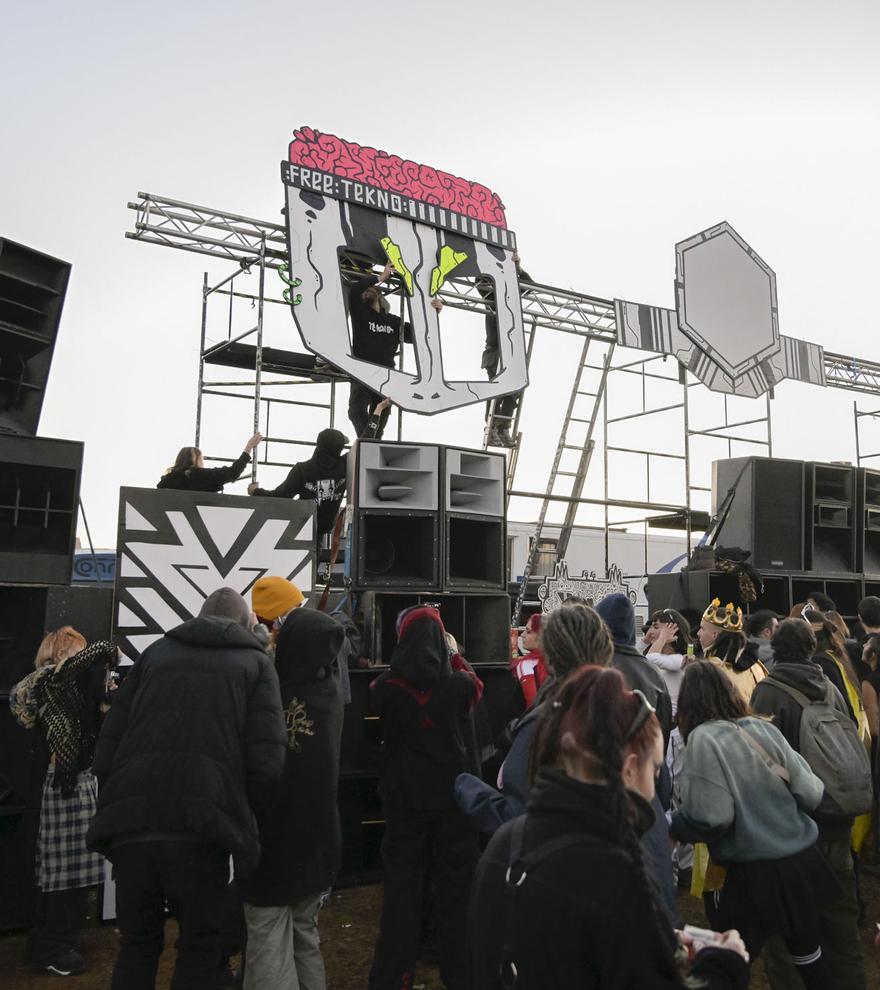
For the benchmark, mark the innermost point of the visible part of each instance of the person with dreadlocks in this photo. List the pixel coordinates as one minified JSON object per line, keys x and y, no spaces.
{"x":561,"y":898}
{"x":569,"y":637}
{"x":748,"y":794}
{"x":62,"y":700}
{"x":723,"y":642}
{"x":424,"y":705}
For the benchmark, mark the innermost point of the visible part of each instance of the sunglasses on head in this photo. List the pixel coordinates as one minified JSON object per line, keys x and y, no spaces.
{"x":646,"y":710}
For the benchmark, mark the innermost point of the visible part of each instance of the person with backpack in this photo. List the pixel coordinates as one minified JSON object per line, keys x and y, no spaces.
{"x":815,"y":720}
{"x":747,"y":794}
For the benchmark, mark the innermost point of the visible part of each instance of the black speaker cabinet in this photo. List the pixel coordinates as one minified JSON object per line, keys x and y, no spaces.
{"x":868,"y":518}
{"x":766,"y":515}
{"x":39,"y":499}
{"x":396,"y":549}
{"x":830,"y":509}
{"x":689,"y":592}
{"x":474,"y":520}
{"x":32,"y":289}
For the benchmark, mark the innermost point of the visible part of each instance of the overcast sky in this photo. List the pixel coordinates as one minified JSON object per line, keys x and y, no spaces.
{"x":611,"y":131}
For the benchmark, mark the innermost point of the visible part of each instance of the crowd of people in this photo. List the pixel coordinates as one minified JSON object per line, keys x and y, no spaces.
{"x":209,"y":780}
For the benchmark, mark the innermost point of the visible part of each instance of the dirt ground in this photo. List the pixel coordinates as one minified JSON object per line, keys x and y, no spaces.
{"x":348,"y":930}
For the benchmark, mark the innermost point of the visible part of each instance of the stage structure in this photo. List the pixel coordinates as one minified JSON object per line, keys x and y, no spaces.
{"x":723,"y":335}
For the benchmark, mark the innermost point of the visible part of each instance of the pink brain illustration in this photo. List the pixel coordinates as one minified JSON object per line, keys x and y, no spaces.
{"x":328,"y":153}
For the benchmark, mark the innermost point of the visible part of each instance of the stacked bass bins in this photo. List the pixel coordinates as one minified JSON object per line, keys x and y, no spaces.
{"x":427,"y":526}
{"x":800,"y":516}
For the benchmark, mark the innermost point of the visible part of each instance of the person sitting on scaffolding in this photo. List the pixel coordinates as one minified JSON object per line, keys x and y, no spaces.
{"x":189,"y":474}
{"x":500,"y":420}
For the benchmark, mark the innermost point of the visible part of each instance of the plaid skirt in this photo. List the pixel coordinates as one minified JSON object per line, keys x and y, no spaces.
{"x":63,"y":862}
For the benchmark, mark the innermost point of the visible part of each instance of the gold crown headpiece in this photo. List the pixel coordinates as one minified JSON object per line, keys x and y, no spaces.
{"x":729,"y":619}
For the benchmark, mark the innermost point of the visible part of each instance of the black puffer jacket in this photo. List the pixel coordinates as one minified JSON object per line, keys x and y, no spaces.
{"x":424,"y":706}
{"x":300,"y":834}
{"x":583,"y":917}
{"x":195,"y":734}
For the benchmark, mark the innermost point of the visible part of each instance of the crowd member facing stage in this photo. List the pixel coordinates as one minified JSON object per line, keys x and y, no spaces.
{"x":189,"y":474}
{"x":300,"y":833}
{"x":760,"y":627}
{"x":794,"y":646}
{"x":424,"y":706}
{"x":747,"y":794}
{"x":194,"y":738}
{"x":375,"y":337}
{"x":869,"y":615}
{"x":530,"y":670}
{"x":320,"y":479}
{"x":62,"y":701}
{"x":273,"y":599}
{"x":869,"y":672}
{"x":560,"y":897}
{"x":724,"y":643}
{"x":569,"y":637}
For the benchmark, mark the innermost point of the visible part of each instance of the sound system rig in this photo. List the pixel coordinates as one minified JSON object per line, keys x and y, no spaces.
{"x":39,"y":505}
{"x":427,"y":525}
{"x":809,"y":527}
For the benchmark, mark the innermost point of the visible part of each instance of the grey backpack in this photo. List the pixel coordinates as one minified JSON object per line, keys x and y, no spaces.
{"x":830,"y":743}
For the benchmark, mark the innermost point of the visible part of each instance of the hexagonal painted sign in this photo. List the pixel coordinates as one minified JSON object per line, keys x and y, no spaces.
{"x":725,"y":297}
{"x":430,"y":226}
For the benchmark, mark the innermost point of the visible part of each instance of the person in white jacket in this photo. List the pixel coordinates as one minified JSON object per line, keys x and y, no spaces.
{"x":666,"y":643}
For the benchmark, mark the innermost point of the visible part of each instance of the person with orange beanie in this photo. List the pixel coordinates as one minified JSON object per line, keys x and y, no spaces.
{"x":273,"y":599}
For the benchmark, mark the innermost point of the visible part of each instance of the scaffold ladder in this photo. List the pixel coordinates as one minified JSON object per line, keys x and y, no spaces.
{"x":579,"y":475}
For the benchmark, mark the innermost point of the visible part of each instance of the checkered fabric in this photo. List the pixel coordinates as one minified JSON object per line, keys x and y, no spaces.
{"x":63,"y":862}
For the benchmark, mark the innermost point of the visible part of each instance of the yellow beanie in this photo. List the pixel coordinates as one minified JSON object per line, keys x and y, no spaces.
{"x":274,"y":596}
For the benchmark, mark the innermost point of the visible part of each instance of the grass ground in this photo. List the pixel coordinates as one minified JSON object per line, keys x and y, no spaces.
{"x":348,"y":930}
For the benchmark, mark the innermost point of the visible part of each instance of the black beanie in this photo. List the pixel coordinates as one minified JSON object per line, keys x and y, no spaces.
{"x":620,"y":617}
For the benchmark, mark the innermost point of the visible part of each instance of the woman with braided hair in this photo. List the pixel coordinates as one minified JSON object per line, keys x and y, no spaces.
{"x":62,"y":700}
{"x":560,"y":897}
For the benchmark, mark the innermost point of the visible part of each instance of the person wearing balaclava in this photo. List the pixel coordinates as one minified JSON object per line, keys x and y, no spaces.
{"x":300,"y":833}
{"x":193,"y":741}
{"x":424,"y":706}
{"x":320,"y":479}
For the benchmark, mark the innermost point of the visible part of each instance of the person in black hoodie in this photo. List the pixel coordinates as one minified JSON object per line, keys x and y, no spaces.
{"x":560,"y":896}
{"x":320,"y":479}
{"x":189,"y":474}
{"x":375,"y":337}
{"x":424,"y":707}
{"x":794,"y":644}
{"x":300,"y":833}
{"x":194,"y":737}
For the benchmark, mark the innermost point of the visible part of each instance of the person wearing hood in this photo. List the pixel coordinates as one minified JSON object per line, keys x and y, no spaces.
{"x":620,"y":617}
{"x":723,"y":642}
{"x":320,"y":479}
{"x":794,"y":646}
{"x":424,"y":706}
{"x":300,"y":833}
{"x":194,"y":738}
{"x":189,"y":474}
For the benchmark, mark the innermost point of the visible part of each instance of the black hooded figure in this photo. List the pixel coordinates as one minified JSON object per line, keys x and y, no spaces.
{"x":320,"y":479}
{"x":424,"y":706}
{"x":300,"y":833}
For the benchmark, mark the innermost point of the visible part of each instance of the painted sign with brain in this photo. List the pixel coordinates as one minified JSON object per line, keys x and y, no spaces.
{"x":429,"y":225}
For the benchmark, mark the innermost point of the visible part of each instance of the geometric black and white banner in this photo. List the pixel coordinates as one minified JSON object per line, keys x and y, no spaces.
{"x":175,"y":548}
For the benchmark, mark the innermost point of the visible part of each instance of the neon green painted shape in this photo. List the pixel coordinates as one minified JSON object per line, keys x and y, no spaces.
{"x":449,"y":260}
{"x":396,"y":259}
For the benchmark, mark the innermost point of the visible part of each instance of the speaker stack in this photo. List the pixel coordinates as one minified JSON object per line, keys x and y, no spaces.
{"x":427,"y":526}
{"x":39,"y":499}
{"x":809,"y":526}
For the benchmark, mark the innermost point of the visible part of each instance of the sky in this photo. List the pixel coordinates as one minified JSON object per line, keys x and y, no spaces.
{"x":611,"y":131}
